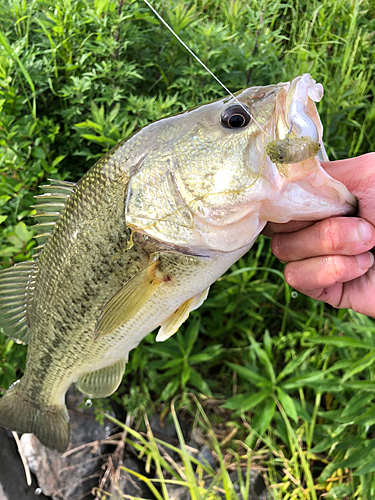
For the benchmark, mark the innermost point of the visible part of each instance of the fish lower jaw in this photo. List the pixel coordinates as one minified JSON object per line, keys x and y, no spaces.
{"x":300,"y":201}
{"x":303,"y":192}
{"x":230,"y":237}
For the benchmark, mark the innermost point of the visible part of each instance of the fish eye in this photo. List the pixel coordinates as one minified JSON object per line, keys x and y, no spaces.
{"x":235,"y":116}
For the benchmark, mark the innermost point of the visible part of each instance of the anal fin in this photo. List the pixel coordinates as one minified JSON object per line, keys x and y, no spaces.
{"x":170,"y":326}
{"x":128,"y":301}
{"x":104,"y":382}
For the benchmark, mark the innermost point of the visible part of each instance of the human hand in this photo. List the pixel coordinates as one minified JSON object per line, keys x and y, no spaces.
{"x":331,"y":260}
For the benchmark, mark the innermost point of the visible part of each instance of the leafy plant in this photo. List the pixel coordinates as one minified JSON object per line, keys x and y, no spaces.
{"x":292,"y":378}
{"x":184,"y":467}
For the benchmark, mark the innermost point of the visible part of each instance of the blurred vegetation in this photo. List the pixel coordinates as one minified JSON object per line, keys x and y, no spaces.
{"x":296,"y":378}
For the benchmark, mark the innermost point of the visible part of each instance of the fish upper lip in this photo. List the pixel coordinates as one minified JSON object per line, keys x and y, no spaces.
{"x":354,"y":208}
{"x":297,"y":119}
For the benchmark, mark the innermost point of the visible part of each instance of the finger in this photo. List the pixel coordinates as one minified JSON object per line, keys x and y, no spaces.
{"x":356,"y":294}
{"x":357,"y":174}
{"x":318,"y":273}
{"x":346,"y":170}
{"x":289,"y":227}
{"x":337,"y":235}
{"x":331,"y":295}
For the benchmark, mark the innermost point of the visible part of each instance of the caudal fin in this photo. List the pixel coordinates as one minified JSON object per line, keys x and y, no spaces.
{"x":50,"y":424}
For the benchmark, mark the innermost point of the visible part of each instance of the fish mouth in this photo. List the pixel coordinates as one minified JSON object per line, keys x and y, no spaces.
{"x":298,"y":120}
{"x":295,"y":155}
{"x":301,"y":89}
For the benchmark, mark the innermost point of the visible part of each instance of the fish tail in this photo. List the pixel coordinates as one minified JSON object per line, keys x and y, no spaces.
{"x":50,"y":424}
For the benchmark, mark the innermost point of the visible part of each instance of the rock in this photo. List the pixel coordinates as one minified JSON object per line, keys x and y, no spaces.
{"x":205,"y":456}
{"x":13,"y":484}
{"x":178,"y":492}
{"x":85,"y":465}
{"x":163,"y":430}
{"x":264,"y":496}
{"x":129,"y":484}
{"x":199,"y":449}
{"x":71,"y":475}
{"x":257,"y":489}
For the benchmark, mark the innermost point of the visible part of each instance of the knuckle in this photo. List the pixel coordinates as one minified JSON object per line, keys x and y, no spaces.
{"x":370,"y":157}
{"x":291,"y":276}
{"x":329,"y":235}
{"x":278,"y":246}
{"x":336,"y":267}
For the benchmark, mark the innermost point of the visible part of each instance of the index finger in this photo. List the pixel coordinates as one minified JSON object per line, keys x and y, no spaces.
{"x":288,"y":227}
{"x":336,"y":235}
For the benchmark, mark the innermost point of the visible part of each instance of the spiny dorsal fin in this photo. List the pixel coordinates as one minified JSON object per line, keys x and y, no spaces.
{"x":56,"y":186}
{"x":15,"y":287}
{"x":49,"y":207}
{"x":52,"y":201}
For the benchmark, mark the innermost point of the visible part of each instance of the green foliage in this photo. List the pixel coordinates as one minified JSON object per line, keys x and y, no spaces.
{"x":295,"y":378}
{"x":183,"y":467}
{"x":300,"y":381}
{"x":181,"y":355}
{"x":12,"y":361}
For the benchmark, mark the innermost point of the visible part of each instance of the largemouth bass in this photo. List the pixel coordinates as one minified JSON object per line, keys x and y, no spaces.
{"x":136,"y":243}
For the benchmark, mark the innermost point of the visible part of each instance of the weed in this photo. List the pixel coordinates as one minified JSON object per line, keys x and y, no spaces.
{"x":294,"y":377}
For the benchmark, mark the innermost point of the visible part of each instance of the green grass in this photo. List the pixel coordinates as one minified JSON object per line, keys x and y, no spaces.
{"x":77,"y":76}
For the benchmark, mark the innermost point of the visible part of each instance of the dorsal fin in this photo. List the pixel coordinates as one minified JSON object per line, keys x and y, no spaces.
{"x":52,"y":201}
{"x":15,"y":286}
{"x":49,"y":206}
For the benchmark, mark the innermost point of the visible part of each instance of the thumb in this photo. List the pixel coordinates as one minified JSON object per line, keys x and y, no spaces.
{"x":355,"y":173}
{"x":358,"y":175}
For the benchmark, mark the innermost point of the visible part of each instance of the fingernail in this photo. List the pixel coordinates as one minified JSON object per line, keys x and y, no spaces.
{"x":365,"y":260}
{"x":365,"y":232}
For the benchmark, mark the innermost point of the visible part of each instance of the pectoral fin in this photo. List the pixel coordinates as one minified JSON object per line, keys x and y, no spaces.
{"x":128,"y":301}
{"x":104,"y":382}
{"x":170,"y":326}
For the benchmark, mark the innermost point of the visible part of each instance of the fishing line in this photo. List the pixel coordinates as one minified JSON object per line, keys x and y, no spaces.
{"x":202,"y":63}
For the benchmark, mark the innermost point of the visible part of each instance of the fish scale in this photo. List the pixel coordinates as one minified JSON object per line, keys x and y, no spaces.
{"x":136,"y":244}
